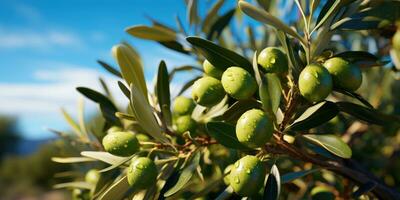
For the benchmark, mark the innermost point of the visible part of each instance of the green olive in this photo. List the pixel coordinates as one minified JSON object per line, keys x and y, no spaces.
{"x":227,"y":177}
{"x":211,"y":70}
{"x":321,"y":193}
{"x":80,"y":194}
{"x":143,"y":138}
{"x":247,"y":176}
{"x":121,"y":143}
{"x":238,"y":83}
{"x":114,"y":129}
{"x":207,"y":91}
{"x":396,"y":40}
{"x":273,"y":60}
{"x":345,"y":75}
{"x":142,"y":173}
{"x":254,"y":128}
{"x":185,"y":123}
{"x":315,"y":83}
{"x":183,"y":105}
{"x":92,"y":176}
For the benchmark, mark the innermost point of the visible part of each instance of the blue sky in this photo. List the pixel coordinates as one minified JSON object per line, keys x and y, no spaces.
{"x":47,"y":48}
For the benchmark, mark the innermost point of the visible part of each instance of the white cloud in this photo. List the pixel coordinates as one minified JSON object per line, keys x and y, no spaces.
{"x":36,"y":39}
{"x":28,"y":12}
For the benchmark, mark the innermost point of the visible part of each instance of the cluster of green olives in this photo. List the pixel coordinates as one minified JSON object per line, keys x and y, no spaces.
{"x":182,"y":109}
{"x":316,"y":81}
{"x":142,"y":171}
{"x":235,"y":81}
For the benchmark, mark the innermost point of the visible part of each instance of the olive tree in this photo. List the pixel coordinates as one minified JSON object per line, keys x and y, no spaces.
{"x":270,"y":112}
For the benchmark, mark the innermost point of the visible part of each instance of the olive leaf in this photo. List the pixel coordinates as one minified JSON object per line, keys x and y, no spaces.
{"x":117,"y":164}
{"x":294,"y":60}
{"x":188,"y":84}
{"x":315,"y":115}
{"x":131,"y":68}
{"x":326,"y":13}
{"x":183,"y":68}
{"x":117,"y":190}
{"x":218,"y":56}
{"x":72,"y":159}
{"x":176,"y":46}
{"x":124,"y":89}
{"x":367,"y":114}
{"x":107,"y":107}
{"x":211,"y":15}
{"x":185,"y":176}
{"x":142,"y":109}
{"x":289,"y":177}
{"x":77,"y":184}
{"x":233,"y":113}
{"x":71,"y":122}
{"x":163,"y":92}
{"x":354,"y":95}
{"x":264,"y":90}
{"x":156,"y":33}
{"x":265,"y":17}
{"x":225,"y":134}
{"x":332,"y":143}
{"x":219,"y":25}
{"x":109,"y":68}
{"x":272,"y":188}
{"x":103,"y":156}
{"x":192,"y":15}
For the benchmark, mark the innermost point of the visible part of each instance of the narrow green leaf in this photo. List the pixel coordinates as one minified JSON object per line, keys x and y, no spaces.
{"x":219,"y":25}
{"x":131,"y":67}
{"x":238,"y":108}
{"x":211,"y":15}
{"x":107,"y":107}
{"x":72,"y":159}
{"x":176,"y":46}
{"x":289,"y":177}
{"x":274,"y":90}
{"x":225,"y":134}
{"x":225,"y":194}
{"x":124,"y":89}
{"x":332,"y":9}
{"x":265,"y":17}
{"x":332,"y":143}
{"x":273,"y":186}
{"x":181,"y":69}
{"x":102,"y":156}
{"x":109,"y":68}
{"x":81,"y":118}
{"x":185,"y":176}
{"x":82,"y":185}
{"x":367,"y":114}
{"x":294,"y":61}
{"x":117,"y":190}
{"x":71,"y":122}
{"x":125,"y":116}
{"x":263,"y":89}
{"x":163,"y":92}
{"x":142,"y":109}
{"x":354,"y":95}
{"x":252,"y":39}
{"x":156,"y":33}
{"x":315,"y":115}
{"x":218,"y":56}
{"x":193,"y":17}
{"x":117,"y":164}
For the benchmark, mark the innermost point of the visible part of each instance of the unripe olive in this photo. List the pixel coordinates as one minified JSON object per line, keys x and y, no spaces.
{"x":92,"y":176}
{"x":344,"y":74}
{"x":143,"y":138}
{"x":227,"y":177}
{"x":121,"y":143}
{"x":315,"y":82}
{"x":114,"y":129}
{"x":238,"y":83}
{"x":207,"y":91}
{"x":183,"y":105}
{"x":396,"y":40}
{"x":254,"y":128}
{"x":321,"y":193}
{"x":273,"y":60}
{"x":185,"y":123}
{"x":142,"y":173}
{"x":80,"y":194}
{"x":211,"y":70}
{"x":247,"y":176}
